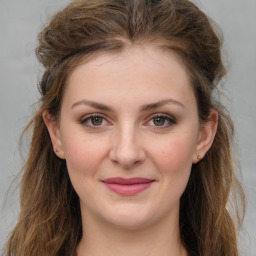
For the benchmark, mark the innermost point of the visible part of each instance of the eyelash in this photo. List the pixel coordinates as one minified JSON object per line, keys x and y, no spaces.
{"x":87,"y":118}
{"x":167,"y":118}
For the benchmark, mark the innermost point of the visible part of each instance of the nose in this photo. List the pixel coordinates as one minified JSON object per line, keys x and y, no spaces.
{"x":126,"y":149}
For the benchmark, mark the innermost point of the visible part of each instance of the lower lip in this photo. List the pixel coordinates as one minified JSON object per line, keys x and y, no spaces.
{"x":128,"y":190}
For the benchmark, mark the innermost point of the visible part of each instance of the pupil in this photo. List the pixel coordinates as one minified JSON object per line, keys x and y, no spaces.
{"x":158,"y":121}
{"x":97,"y":120}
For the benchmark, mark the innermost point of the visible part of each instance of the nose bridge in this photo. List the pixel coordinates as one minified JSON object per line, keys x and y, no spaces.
{"x":127,"y":149}
{"x":126,"y":140}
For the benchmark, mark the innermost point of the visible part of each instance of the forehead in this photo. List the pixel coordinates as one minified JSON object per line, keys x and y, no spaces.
{"x":146,"y":70}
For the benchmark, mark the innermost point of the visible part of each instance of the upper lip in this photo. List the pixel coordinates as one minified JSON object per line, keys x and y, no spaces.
{"x":124,"y":181}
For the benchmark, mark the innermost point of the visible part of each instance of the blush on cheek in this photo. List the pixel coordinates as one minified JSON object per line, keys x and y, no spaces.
{"x":175,"y":160}
{"x":81,"y":161}
{"x":84,"y":156}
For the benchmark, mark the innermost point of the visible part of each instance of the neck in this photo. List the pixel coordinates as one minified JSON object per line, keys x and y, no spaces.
{"x":101,"y":238}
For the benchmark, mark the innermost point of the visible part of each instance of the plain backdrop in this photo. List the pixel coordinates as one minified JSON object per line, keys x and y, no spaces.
{"x":21,"y":21}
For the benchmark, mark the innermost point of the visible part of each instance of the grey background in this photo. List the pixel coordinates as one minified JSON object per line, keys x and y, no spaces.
{"x":20,"y":22}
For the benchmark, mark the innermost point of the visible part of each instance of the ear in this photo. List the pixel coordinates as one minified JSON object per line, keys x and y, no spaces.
{"x":54,"y":131}
{"x":206,"y":136}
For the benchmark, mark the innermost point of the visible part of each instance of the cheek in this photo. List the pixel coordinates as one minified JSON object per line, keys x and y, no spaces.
{"x":173,"y":158}
{"x":83,"y":155}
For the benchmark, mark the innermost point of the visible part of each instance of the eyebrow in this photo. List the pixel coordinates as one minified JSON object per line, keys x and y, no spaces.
{"x":160,"y":103}
{"x":92,"y":104}
{"x":143,"y":108}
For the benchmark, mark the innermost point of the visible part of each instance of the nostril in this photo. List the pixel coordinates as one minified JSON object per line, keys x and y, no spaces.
{"x":126,"y":150}
{"x":126,"y":162}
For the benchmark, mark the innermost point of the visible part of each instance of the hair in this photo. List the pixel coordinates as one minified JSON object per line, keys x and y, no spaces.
{"x":49,"y":223}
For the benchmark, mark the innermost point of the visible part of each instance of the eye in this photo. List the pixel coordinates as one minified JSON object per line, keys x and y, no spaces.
{"x":161,"y":121}
{"x":94,"y":121}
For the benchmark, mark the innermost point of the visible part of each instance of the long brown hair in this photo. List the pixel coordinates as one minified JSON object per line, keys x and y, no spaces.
{"x":49,"y":223}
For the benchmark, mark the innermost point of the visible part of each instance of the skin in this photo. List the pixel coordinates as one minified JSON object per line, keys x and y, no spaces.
{"x":129,"y":141}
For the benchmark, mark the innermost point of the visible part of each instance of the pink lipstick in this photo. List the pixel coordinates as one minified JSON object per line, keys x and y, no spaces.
{"x":128,"y":187}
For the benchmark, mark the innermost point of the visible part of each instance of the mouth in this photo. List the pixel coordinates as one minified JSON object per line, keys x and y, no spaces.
{"x":128,"y":187}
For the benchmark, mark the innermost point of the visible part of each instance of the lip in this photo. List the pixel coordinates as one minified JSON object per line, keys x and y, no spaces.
{"x":128,"y":187}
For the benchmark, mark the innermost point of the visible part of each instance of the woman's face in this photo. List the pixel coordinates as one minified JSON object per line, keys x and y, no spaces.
{"x":129,"y":132}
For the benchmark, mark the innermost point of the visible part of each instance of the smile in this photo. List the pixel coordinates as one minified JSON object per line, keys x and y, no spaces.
{"x":128,"y":187}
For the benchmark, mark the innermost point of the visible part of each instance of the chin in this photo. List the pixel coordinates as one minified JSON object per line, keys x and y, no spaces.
{"x":129,"y":217}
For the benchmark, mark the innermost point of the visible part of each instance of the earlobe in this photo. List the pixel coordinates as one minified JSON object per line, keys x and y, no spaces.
{"x":206,"y":136}
{"x":54,"y":133}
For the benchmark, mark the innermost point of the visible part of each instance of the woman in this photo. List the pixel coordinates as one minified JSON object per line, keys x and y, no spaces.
{"x":131,"y":152}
